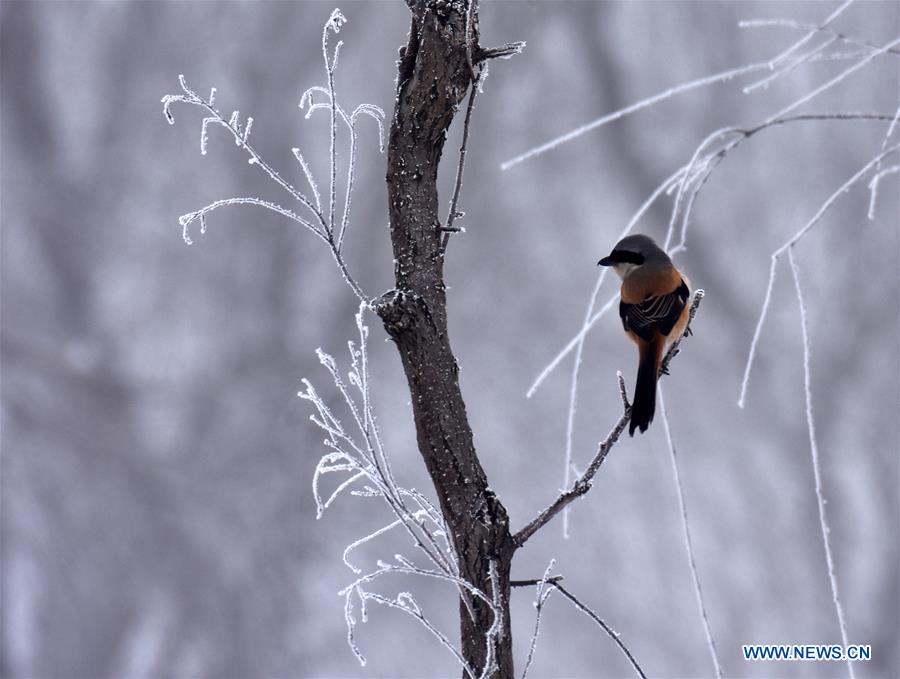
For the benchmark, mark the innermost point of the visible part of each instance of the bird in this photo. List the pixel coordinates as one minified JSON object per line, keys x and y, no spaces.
{"x":654,"y":311}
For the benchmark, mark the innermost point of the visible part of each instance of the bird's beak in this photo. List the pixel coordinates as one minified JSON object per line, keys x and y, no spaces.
{"x":606,"y":261}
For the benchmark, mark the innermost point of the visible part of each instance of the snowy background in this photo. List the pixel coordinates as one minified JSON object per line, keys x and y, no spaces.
{"x":157,"y":514}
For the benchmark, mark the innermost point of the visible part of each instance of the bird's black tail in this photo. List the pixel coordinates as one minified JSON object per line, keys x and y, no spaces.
{"x":644,"y":405}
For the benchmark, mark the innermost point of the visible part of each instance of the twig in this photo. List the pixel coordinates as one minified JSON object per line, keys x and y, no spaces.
{"x":780,"y":251}
{"x":606,"y":628}
{"x":540,"y":598}
{"x":187,"y":219}
{"x":334,"y":23}
{"x":451,"y":217}
{"x":535,"y":581}
{"x":573,"y":343}
{"x":724,"y":76}
{"x":345,"y":272}
{"x":710,"y":162}
{"x":811,"y":34}
{"x":797,"y":45}
{"x":496,"y":628}
{"x":573,"y":397}
{"x":554,"y":582}
{"x":503,"y":52}
{"x":191,"y":97}
{"x":814,"y":450}
{"x":687,"y":177}
{"x":633,"y":108}
{"x":692,"y":562}
{"x":407,"y":604}
{"x":834,"y":81}
{"x":808,"y":56}
{"x":873,"y":186}
{"x":799,"y":25}
{"x":404,"y":566}
{"x":323,"y":231}
{"x":583,"y":484}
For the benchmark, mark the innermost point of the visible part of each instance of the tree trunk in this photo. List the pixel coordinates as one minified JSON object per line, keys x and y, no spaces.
{"x":434,"y":75}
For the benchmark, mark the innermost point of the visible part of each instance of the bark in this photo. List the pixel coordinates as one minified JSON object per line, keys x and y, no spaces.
{"x":434,"y":75}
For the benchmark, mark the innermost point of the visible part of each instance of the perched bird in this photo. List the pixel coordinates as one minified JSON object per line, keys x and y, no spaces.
{"x":654,"y":313}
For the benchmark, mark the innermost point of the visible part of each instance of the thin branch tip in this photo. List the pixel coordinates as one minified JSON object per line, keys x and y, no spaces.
{"x":506,"y":51}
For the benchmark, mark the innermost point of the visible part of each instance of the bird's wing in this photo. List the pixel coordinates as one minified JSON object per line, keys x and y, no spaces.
{"x":654,"y":314}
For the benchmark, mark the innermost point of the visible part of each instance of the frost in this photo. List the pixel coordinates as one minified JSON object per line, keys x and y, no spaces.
{"x":846,"y":186}
{"x":710,"y":643}
{"x":542,"y":594}
{"x":357,"y":453}
{"x":873,"y":185}
{"x":814,"y":451}
{"x":323,"y":224}
{"x":309,"y":177}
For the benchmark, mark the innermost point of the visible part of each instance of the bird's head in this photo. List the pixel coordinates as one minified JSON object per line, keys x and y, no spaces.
{"x":632,"y":252}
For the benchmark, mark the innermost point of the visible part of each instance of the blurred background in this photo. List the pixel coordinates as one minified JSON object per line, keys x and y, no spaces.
{"x":157,"y":512}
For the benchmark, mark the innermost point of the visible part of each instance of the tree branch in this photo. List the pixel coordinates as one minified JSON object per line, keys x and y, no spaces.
{"x":535,"y":581}
{"x":461,"y":165}
{"x":434,"y":75}
{"x":583,"y":484}
{"x":482,"y":54}
{"x":606,"y":628}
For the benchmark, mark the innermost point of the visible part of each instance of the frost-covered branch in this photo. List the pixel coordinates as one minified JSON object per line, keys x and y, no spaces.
{"x":775,"y":67}
{"x":802,"y":26}
{"x":187,"y":219}
{"x":404,"y":601}
{"x":844,"y":188}
{"x":544,"y":590}
{"x":357,"y":452}
{"x":321,"y":224}
{"x":835,"y":80}
{"x":583,"y":484}
{"x":461,"y":164}
{"x":612,"y":634}
{"x":814,"y":450}
{"x":788,"y":247}
{"x":545,"y":586}
{"x":719,"y":144}
{"x":362,"y":455}
{"x":689,"y":546}
{"x":510,"y":49}
{"x":776,"y":62}
{"x":873,"y":185}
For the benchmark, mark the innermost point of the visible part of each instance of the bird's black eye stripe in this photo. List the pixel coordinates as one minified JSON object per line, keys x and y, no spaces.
{"x":626,"y":256}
